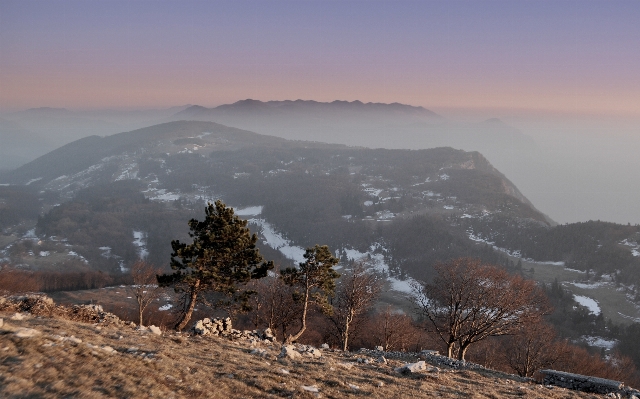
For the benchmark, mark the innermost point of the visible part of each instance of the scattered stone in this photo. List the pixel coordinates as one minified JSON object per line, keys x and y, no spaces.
{"x":155,"y":330}
{"x":73,"y":339}
{"x":108,"y":349}
{"x":132,"y":349}
{"x":379,"y":384}
{"x":260,"y":352}
{"x":308,"y":350}
{"x":26,"y":332}
{"x":411,"y":368}
{"x":354,"y":387}
{"x":379,"y":348}
{"x":311,"y":388}
{"x":324,"y":346}
{"x":284,"y":371}
{"x":289,"y":352}
{"x":345,"y":365}
{"x":382,"y":360}
{"x":18,"y":317}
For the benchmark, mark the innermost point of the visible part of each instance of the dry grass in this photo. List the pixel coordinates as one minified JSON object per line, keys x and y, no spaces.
{"x":180,"y":366}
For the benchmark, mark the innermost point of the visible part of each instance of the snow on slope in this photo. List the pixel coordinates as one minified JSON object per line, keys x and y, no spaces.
{"x":589,"y":303}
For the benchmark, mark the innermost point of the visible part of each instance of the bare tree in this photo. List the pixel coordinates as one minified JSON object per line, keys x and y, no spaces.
{"x":145,"y":287}
{"x":533,"y":348}
{"x":393,"y":330}
{"x":274,"y":304}
{"x":467,"y":302}
{"x":356,"y":294}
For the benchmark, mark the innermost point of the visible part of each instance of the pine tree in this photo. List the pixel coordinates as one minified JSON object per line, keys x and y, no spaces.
{"x":315,"y":281}
{"x":223,"y":254}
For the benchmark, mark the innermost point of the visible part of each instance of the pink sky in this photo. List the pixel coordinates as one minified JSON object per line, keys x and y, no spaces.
{"x":568,"y":57}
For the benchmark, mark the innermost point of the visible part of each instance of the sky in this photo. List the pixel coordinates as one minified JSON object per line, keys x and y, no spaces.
{"x":564,"y":57}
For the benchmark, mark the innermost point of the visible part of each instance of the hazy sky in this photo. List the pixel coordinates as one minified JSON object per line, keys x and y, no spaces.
{"x":564,"y":56}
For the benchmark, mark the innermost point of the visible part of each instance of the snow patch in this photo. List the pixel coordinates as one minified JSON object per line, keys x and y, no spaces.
{"x":278,"y":242}
{"x":33,"y":181}
{"x":249,"y":211}
{"x":373,"y":191}
{"x":590,"y":285}
{"x":164,"y":196}
{"x":375,"y":260}
{"x":385,"y":215}
{"x":140,"y":241}
{"x":599,"y":342}
{"x":589,"y":303}
{"x":165,"y":307}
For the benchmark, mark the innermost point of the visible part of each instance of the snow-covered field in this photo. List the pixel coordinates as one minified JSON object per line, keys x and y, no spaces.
{"x":589,"y":303}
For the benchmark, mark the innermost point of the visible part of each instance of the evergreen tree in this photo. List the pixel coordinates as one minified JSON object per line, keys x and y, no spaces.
{"x":223,"y":254}
{"x":314,"y":281}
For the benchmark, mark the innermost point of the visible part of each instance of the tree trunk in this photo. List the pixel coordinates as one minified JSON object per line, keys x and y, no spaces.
{"x":463,"y":351}
{"x":345,"y":336}
{"x":192,"y":304}
{"x":140,"y":310}
{"x":293,"y":338}
{"x":450,"y":349}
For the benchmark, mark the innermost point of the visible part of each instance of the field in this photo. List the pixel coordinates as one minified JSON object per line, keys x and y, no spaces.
{"x":613,"y":303}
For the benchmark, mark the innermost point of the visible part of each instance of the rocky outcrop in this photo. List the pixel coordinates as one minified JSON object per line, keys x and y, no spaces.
{"x":298,"y":351}
{"x":41,"y":305}
{"x":34,"y":303}
{"x":586,"y":383}
{"x":219,"y":327}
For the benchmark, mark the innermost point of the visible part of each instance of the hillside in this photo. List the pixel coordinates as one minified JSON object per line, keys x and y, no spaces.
{"x":350,"y":195}
{"x":55,"y":357}
{"x":99,"y":203}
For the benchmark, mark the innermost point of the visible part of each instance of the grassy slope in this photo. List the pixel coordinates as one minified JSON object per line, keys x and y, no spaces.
{"x":176,"y":366}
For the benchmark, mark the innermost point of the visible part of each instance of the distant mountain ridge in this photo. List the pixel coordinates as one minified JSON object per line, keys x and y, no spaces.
{"x":305,"y":106}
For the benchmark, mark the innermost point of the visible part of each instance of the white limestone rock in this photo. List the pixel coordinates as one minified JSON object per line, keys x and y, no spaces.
{"x":411,"y":368}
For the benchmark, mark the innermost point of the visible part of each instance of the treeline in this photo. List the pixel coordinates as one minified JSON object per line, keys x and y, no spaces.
{"x":415,"y":245}
{"x":106,"y":216}
{"x":592,"y":245}
{"x":12,"y":280}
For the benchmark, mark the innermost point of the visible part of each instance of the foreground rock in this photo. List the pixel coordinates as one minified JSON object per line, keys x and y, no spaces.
{"x":586,"y":383}
{"x":41,"y":305}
